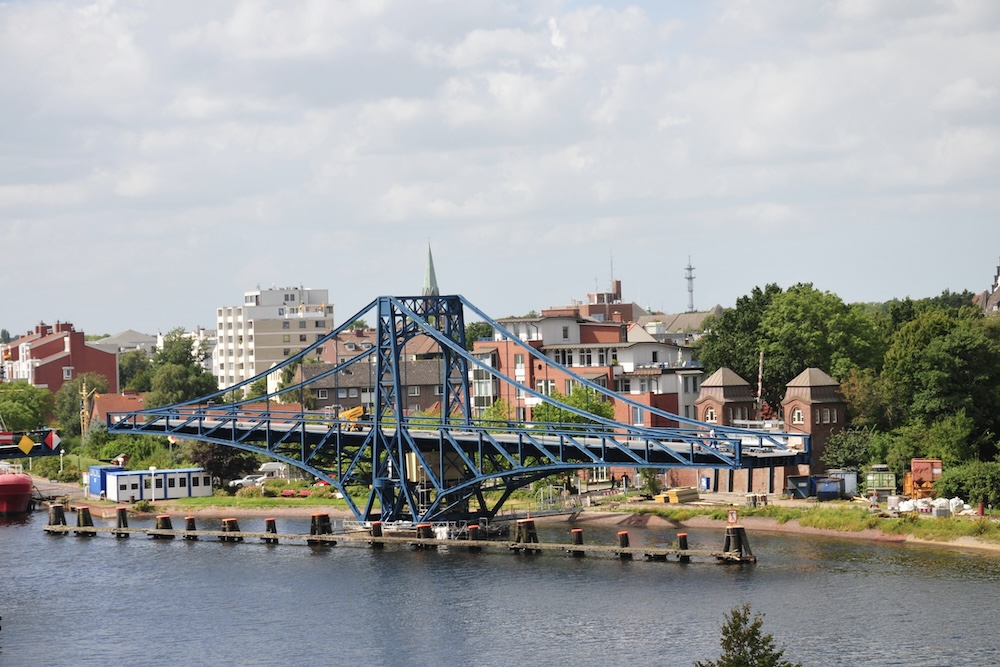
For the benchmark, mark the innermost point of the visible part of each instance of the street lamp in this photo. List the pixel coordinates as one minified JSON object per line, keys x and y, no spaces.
{"x":152,"y":483}
{"x":61,"y":453}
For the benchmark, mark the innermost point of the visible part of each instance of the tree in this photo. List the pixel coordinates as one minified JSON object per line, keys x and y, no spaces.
{"x":173,"y":383}
{"x":497,"y":414}
{"x":23,"y":406}
{"x":849,"y":449}
{"x":475,"y":331}
{"x":582,"y":398}
{"x":795,"y":329}
{"x":744,"y":644}
{"x":69,"y":401}
{"x":221,"y":461}
{"x":940,"y":364}
{"x":358,"y":324}
{"x":177,"y":372}
{"x":135,"y":371}
{"x":257,"y":388}
{"x":733,"y":338}
{"x":805,"y":328}
{"x":179,"y":348}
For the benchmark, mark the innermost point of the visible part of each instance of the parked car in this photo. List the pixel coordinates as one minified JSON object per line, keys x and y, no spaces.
{"x":249,"y":480}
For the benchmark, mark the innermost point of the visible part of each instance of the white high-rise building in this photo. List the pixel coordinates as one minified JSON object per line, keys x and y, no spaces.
{"x":269,"y":327}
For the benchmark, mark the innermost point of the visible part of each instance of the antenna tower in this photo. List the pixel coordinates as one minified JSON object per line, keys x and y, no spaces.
{"x":690,"y":281}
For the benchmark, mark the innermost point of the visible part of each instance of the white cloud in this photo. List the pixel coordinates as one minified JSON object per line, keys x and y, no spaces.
{"x":352,"y":132}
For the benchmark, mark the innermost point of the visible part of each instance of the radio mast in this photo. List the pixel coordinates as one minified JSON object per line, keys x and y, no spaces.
{"x":690,"y":282}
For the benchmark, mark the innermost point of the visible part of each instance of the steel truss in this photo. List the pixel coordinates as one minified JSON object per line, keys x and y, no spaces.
{"x":451,"y":465}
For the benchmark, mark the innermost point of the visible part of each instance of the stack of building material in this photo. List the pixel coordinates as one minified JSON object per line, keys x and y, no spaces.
{"x":683,"y":494}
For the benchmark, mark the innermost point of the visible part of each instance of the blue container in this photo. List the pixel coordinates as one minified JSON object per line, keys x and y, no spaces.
{"x":706,"y":483}
{"x":828,"y":488}
{"x":98,"y":478}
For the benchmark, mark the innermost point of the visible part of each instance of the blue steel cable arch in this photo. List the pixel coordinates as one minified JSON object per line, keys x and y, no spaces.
{"x":417,"y":469}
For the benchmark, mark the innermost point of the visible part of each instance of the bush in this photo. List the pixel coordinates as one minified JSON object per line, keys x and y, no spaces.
{"x":142,"y":506}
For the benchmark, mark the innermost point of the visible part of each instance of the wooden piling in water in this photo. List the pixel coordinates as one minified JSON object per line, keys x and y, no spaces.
{"x":57,"y":516}
{"x":122,"y":515}
{"x":320,"y":525}
{"x":163,"y":523}
{"x":577,"y":540}
{"x":624,"y":543}
{"x":84,"y":521}
{"x":270,"y":526}
{"x":231,"y":526}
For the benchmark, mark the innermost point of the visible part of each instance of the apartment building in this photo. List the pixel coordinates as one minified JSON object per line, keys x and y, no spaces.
{"x":270,"y":326}
{"x":618,"y":355}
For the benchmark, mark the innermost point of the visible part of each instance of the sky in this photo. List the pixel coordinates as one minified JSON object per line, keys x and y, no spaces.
{"x":160,"y":158}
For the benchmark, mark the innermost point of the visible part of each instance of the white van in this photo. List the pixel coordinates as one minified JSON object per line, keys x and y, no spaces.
{"x":274,"y":470}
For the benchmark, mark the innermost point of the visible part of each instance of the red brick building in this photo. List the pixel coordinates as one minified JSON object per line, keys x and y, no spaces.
{"x":52,"y":355}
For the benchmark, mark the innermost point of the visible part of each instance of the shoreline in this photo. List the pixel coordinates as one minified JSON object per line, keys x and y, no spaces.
{"x":595,"y":517}
{"x":592,"y":517}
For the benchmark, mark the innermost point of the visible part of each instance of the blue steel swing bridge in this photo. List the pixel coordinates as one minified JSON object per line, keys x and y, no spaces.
{"x":454,"y":467}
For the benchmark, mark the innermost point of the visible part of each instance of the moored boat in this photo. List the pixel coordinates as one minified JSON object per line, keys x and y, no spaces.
{"x":15,"y":489}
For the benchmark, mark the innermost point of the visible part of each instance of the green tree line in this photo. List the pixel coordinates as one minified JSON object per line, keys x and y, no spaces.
{"x":921,"y":378}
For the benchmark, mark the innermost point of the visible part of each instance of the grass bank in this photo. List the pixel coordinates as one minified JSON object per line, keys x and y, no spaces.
{"x":841,"y":518}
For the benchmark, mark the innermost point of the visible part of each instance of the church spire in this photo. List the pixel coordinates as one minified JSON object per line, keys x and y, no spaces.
{"x":430,"y":280}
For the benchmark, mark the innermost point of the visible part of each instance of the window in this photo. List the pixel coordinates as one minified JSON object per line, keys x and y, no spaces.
{"x":184,"y":482}
{"x":286,"y":325}
{"x":569,"y":386}
{"x":413,"y":391}
{"x":834,"y":416}
{"x":322,"y":394}
{"x":302,"y":324}
{"x":146,"y":483}
{"x":636,"y":415}
{"x":546,"y":387}
{"x":67,"y":372}
{"x":437,"y":390}
{"x":341,"y":393}
{"x":286,"y":352}
{"x":281,"y":311}
{"x":817,"y":415}
{"x":586,"y":358}
{"x":159,"y":483}
{"x":172,"y":483}
{"x":289,"y":297}
{"x":826,"y":415}
{"x":710,"y":415}
{"x":302,"y":338}
{"x":656,"y":356}
{"x":602,"y":358}
{"x":519,"y":362}
{"x":686,"y":386}
{"x":798,"y":417}
{"x":565,"y":333}
{"x":353,"y":392}
{"x":121,"y":487}
{"x":320,"y":324}
{"x":564,"y":357}
{"x":624,"y":386}
{"x":194,"y":481}
{"x":286,"y":339}
{"x":207,"y":480}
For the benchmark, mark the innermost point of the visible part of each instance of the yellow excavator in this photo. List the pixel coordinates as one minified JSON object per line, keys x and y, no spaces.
{"x":353,"y":416}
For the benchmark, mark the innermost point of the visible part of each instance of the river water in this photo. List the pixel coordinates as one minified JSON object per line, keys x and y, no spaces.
{"x":67,"y":600}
